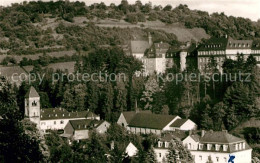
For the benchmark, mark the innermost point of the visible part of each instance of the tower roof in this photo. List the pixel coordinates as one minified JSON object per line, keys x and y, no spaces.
{"x":32,"y":93}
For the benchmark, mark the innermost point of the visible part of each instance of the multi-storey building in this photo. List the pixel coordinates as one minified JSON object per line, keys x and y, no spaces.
{"x":153,"y":55}
{"x":222,"y":48}
{"x":217,"y":146}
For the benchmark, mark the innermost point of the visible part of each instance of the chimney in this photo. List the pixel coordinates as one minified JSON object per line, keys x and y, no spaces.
{"x":150,"y":41}
{"x":202,"y":133}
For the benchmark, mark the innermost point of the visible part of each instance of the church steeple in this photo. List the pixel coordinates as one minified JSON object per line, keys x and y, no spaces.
{"x":32,"y":105}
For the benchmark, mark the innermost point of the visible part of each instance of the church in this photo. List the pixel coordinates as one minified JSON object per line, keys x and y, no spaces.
{"x":51,"y":118}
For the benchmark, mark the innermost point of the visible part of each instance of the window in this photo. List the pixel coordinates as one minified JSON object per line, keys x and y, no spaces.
{"x":54,"y":122}
{"x":61,"y":122}
{"x":160,"y":155}
{"x":200,"y":157}
{"x":189,"y":147}
{"x":209,"y":146}
{"x":201,"y":146}
{"x":217,"y":158}
{"x":217,"y":147}
{"x":123,"y":125}
{"x":225,"y":159}
{"x":160,"y":144}
{"x":34,"y":103}
{"x":225,"y":147}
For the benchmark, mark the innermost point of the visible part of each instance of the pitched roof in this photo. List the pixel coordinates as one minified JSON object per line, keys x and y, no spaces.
{"x":32,"y":93}
{"x":85,"y":124}
{"x":179,"y":122}
{"x":239,"y":44}
{"x":153,"y":121}
{"x":219,"y":137}
{"x":214,"y":44}
{"x":130,"y":114}
{"x":161,"y":47}
{"x":60,"y":113}
{"x":173,"y":135}
{"x":139,"y":46}
{"x":195,"y":137}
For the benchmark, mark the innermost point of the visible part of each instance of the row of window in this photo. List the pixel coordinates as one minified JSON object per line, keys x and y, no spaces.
{"x":208,"y":59}
{"x":160,"y":144}
{"x":211,"y":52}
{"x":255,"y":52}
{"x":217,"y":147}
{"x":238,"y":146}
{"x":238,"y":45}
{"x":217,"y":158}
{"x":54,"y":122}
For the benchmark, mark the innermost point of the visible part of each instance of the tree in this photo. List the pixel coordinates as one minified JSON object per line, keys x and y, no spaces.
{"x":206,"y":121}
{"x":151,"y":88}
{"x":15,"y":144}
{"x":167,"y":8}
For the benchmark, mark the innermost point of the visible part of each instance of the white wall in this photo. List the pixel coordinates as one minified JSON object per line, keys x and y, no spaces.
{"x":103,"y":127}
{"x":50,"y":124}
{"x":190,"y":143}
{"x":138,"y":55}
{"x":161,"y":154}
{"x":131,"y":150}
{"x":240,"y":157}
{"x":160,"y":64}
{"x":235,"y":51}
{"x":188,"y":125}
{"x":121,"y":120}
{"x":81,"y":134}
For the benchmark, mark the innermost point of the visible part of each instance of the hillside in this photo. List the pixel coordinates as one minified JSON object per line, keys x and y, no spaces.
{"x":33,"y":28}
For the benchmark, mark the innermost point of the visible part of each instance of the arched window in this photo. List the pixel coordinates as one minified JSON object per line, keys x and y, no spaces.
{"x":34,"y":103}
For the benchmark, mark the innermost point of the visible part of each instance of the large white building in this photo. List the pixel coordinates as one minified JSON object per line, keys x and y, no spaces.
{"x":53,"y":118}
{"x":217,"y":146}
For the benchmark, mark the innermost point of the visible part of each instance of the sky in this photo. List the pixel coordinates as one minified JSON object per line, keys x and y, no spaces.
{"x":239,"y":8}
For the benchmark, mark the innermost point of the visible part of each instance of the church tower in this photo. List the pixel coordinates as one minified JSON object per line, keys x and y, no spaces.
{"x":32,"y":106}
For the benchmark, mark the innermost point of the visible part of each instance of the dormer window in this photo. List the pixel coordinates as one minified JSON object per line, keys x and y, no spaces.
{"x":236,"y":146}
{"x":244,"y":145}
{"x":217,"y":147}
{"x":166,"y":144}
{"x":160,"y":144}
{"x":200,"y":146}
{"x":209,"y":146}
{"x":225,"y":147}
{"x":56,"y":115}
